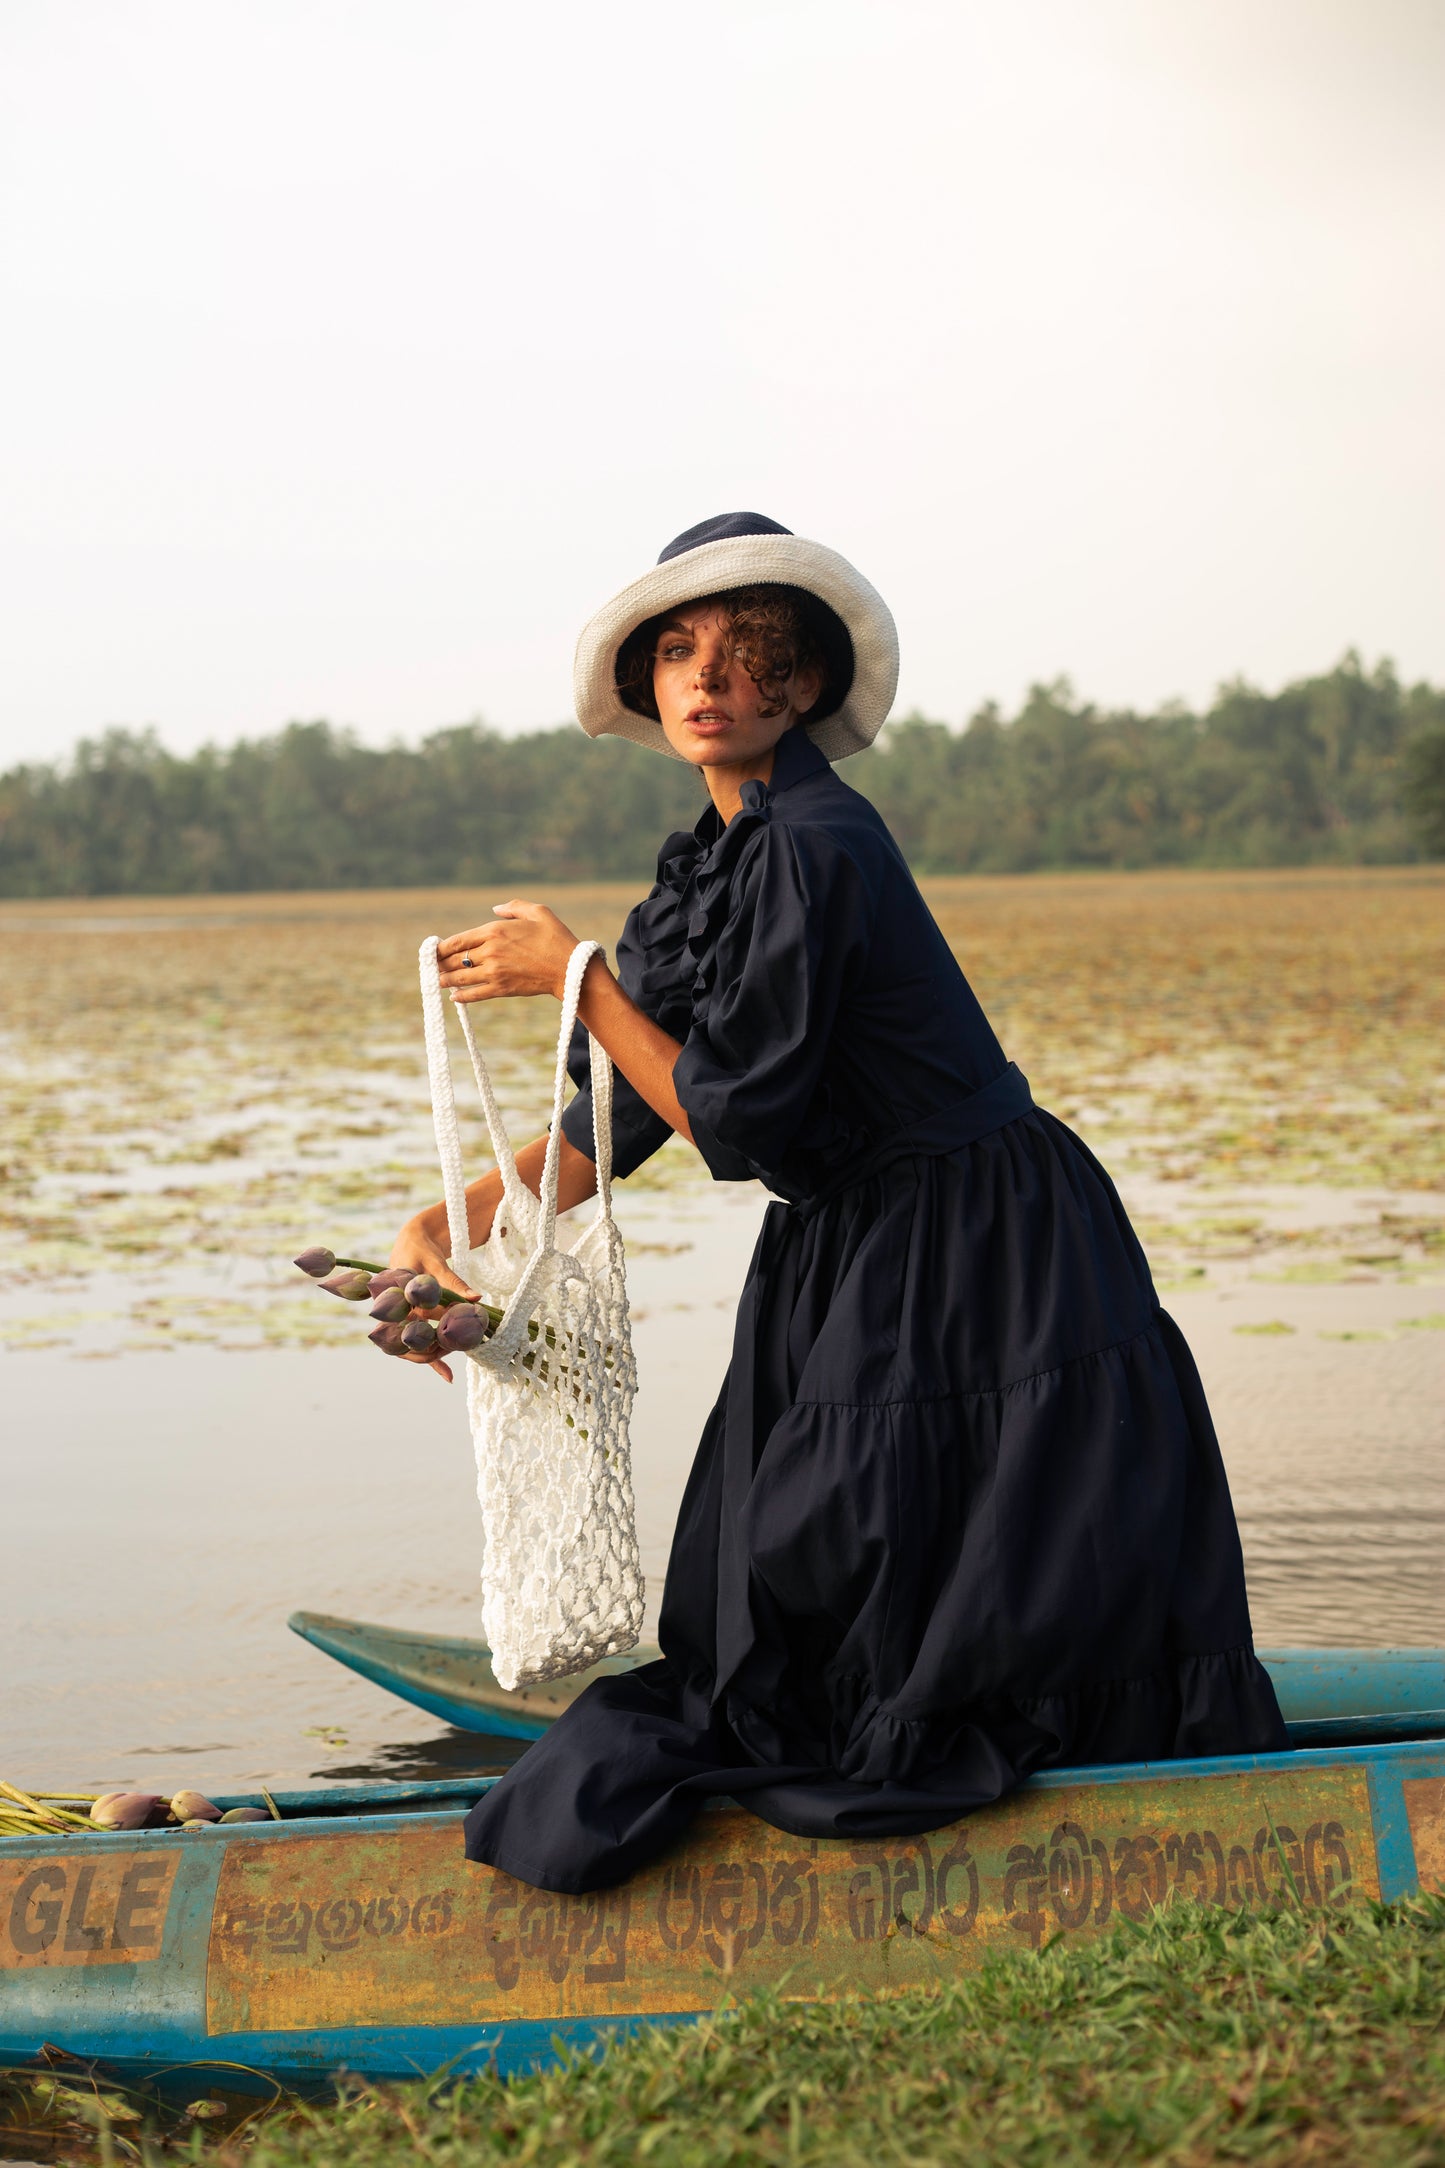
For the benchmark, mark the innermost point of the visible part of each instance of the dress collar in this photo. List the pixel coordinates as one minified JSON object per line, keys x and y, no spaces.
{"x":795,"y":757}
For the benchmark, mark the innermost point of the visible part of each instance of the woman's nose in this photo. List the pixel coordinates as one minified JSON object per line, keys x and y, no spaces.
{"x":712,"y":665}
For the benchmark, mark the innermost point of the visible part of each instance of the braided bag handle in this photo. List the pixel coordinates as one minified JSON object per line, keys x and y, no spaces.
{"x":522,"y":1204}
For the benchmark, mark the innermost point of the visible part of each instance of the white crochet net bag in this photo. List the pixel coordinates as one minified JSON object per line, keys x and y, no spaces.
{"x":551,"y":1392}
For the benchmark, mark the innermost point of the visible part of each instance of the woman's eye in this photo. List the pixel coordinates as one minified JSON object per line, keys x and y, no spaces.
{"x":674,"y":651}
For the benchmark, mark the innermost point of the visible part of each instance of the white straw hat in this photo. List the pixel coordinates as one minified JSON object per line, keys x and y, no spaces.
{"x":743,"y":549}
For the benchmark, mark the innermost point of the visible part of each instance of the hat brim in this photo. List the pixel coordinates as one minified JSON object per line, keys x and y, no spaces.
{"x":783,"y":560}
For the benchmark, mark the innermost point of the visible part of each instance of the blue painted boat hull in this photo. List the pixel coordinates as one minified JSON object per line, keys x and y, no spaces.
{"x":1328,"y":1696}
{"x":353,"y":1934}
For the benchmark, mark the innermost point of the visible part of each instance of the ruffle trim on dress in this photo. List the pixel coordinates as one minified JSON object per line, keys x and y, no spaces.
{"x":1220,"y":1702}
{"x":640,"y":1756}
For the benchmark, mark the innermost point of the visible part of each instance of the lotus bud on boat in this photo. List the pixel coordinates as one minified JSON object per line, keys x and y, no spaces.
{"x":130,"y":1810}
{"x":190,"y":1807}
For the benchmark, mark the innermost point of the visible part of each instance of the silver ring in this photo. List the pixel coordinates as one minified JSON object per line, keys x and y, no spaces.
{"x":467,"y":964}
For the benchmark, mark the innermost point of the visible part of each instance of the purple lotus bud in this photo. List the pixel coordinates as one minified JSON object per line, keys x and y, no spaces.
{"x":464,"y":1327}
{"x":129,"y":1810}
{"x":188,"y":1807}
{"x":394,"y":1276}
{"x":423,"y":1292}
{"x":245,"y":1814}
{"x":419,"y":1337}
{"x":316,"y":1262}
{"x":350,"y":1286}
{"x":393,"y":1308}
{"x":388,"y":1339}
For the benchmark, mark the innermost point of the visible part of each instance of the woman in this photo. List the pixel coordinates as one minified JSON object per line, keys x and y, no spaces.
{"x":959,"y":1513}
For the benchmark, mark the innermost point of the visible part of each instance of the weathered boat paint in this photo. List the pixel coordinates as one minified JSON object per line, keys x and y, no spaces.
{"x":245,"y":1955}
{"x":1328,"y":1696}
{"x":1346,"y":1696}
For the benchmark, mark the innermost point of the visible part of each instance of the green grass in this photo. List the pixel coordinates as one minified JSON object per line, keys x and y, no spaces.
{"x":1198,"y":2037}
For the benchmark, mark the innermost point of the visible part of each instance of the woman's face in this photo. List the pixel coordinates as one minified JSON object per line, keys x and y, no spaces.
{"x":710,"y":710}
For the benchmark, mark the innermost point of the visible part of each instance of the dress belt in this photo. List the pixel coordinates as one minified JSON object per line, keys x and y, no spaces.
{"x":961,"y":1122}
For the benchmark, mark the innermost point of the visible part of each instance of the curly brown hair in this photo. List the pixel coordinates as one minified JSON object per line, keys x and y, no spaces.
{"x":773,"y":631}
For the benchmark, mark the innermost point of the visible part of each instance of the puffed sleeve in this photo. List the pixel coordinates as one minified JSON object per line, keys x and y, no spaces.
{"x":636,"y":1131}
{"x":795,"y":936}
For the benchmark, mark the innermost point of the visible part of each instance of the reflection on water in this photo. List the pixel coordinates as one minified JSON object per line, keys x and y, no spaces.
{"x":414,"y":1761}
{"x":163,"y":1515}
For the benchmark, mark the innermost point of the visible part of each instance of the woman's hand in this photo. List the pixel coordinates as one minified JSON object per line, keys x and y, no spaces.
{"x":524,"y":950}
{"x":422,"y":1246}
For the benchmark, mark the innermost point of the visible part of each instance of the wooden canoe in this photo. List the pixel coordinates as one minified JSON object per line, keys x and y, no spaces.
{"x":1328,"y":1696}
{"x":353,"y":1935}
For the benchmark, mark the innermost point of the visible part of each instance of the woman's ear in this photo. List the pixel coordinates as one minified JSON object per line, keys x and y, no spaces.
{"x":805,"y":686}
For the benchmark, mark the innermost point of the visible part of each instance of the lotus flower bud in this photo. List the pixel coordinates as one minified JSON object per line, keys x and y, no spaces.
{"x":423,"y":1292}
{"x":394,"y":1276}
{"x":194,"y":1807}
{"x":316,"y":1262}
{"x":419,"y":1337}
{"x":388,"y":1339}
{"x":207,"y":1822}
{"x":245,"y":1814}
{"x":393,"y":1308}
{"x":129,"y":1810}
{"x":464,"y":1327}
{"x":350,"y":1286}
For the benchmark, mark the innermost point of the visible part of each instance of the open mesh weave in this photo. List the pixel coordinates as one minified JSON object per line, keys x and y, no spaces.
{"x":551,"y":1392}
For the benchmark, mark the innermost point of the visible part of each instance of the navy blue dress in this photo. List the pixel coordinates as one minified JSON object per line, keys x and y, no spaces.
{"x":959,"y":1512}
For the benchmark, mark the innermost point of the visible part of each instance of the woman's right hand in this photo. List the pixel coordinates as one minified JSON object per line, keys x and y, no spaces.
{"x":424,"y":1246}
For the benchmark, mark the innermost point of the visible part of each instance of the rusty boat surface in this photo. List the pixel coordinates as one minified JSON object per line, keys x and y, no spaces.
{"x":352,"y":1935}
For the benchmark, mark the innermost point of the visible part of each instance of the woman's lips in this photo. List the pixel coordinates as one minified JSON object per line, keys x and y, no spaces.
{"x":709,"y":724}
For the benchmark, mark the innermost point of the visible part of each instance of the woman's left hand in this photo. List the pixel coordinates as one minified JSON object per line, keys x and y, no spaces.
{"x":524,"y":950}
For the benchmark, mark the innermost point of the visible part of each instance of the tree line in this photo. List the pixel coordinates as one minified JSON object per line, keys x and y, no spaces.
{"x":1343,"y":768}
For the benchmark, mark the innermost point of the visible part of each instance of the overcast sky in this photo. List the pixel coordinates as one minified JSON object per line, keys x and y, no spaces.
{"x":355,"y":350}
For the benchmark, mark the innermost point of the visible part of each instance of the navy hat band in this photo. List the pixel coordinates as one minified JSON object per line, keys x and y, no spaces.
{"x":724,"y":528}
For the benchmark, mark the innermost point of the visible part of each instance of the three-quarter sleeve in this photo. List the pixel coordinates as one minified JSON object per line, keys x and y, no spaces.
{"x":795,"y":935}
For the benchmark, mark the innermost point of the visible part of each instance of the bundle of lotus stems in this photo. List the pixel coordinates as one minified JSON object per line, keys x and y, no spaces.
{"x":415,"y":1314}
{"x":54,"y":1814}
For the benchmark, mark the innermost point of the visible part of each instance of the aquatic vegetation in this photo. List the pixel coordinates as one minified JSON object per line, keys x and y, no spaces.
{"x":1203,"y":1032}
{"x":28,"y":1814}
